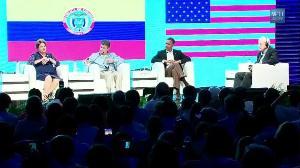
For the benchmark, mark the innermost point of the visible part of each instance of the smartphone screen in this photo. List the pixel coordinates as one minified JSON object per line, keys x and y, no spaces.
{"x":249,"y":106}
{"x":126,"y":144}
{"x":33,"y":147}
{"x":107,"y":131}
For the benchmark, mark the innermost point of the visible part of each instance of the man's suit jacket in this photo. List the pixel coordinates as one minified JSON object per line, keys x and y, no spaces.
{"x":178,"y":55}
{"x":269,"y":58}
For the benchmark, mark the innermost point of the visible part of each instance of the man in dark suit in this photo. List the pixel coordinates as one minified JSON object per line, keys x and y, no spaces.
{"x":172,"y":59}
{"x":267,"y":55}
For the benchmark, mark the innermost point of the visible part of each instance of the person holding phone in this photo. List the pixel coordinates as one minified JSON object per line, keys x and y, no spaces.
{"x":45,"y":65}
{"x":108,"y":63}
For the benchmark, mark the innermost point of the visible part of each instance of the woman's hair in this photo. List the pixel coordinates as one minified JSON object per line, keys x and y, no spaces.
{"x":39,"y":42}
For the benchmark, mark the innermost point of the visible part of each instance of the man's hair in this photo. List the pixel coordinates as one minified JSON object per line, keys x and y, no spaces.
{"x":171,"y":39}
{"x":106,"y":43}
{"x":39,"y":42}
{"x":264,"y":39}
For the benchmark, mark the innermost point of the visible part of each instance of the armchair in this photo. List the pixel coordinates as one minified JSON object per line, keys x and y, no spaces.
{"x":263,"y":75}
{"x":29,"y":70}
{"x":188,"y":69}
{"x":276,"y":76}
{"x":89,"y":81}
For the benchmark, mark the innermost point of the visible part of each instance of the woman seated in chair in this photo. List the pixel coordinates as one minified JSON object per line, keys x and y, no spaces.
{"x":45,"y":65}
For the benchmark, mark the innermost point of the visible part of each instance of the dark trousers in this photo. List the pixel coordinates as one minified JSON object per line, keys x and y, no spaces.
{"x":243,"y":79}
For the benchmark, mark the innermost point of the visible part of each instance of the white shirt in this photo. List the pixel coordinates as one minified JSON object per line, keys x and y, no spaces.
{"x":170,"y":55}
{"x":263,"y":55}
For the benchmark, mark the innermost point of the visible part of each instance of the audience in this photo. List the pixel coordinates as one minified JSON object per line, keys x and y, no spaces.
{"x":113,"y":132}
{"x":6,"y":116}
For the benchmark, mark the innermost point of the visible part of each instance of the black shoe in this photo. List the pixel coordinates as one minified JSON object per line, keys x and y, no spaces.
{"x":184,"y":81}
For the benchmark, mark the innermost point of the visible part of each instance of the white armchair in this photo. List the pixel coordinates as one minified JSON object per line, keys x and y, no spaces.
{"x":276,"y":76}
{"x":86,"y":82}
{"x":263,"y":75}
{"x":124,"y":69}
{"x":29,"y":70}
{"x":89,"y":81}
{"x":188,"y":69}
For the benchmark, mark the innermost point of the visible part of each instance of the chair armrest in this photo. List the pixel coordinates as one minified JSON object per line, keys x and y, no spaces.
{"x":63,"y":73}
{"x":276,"y":76}
{"x":29,"y":71}
{"x":95,"y":70}
{"x":263,"y":75}
{"x":188,"y":69}
{"x":124,"y":70}
{"x":159,"y":69}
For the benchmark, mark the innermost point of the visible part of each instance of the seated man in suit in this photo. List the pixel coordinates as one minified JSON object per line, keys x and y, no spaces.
{"x":108,"y":63}
{"x":172,"y":59}
{"x":266,"y":55}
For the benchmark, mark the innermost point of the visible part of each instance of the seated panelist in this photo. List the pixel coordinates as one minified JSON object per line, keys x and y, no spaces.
{"x":172,"y":59}
{"x":266,"y":55}
{"x":45,"y":65}
{"x":108,"y":63}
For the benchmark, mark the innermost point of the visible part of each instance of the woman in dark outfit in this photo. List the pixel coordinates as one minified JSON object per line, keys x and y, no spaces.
{"x":45,"y":65}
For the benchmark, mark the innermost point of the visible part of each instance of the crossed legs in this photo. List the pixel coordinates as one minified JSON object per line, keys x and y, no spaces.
{"x":174,"y":70}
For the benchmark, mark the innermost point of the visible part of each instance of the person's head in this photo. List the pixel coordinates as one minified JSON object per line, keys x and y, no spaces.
{"x":204,"y":97}
{"x":233,"y":104}
{"x":224,"y":92}
{"x":69,"y":105}
{"x":263,"y":43}
{"x":118,"y":98}
{"x":41,"y":46}
{"x":5,"y":101}
{"x":62,"y":148}
{"x":34,"y":107}
{"x":83,"y":114}
{"x":161,"y":89}
{"x":63,"y":93}
{"x":126,"y":114}
{"x":287,"y":140}
{"x":104,"y":47}
{"x":170,"y":43}
{"x":35,"y":92}
{"x":209,"y":115}
{"x":132,"y":98}
{"x":166,"y":108}
{"x":257,"y":155}
{"x":190,"y":92}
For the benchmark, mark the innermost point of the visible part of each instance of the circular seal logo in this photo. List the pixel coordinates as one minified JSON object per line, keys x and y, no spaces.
{"x":78,"y":21}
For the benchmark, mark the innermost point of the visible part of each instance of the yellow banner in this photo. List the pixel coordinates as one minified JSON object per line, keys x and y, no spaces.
{"x":55,"y":10}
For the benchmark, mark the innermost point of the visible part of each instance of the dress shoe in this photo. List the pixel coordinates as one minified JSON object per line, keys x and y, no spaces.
{"x":184,"y":81}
